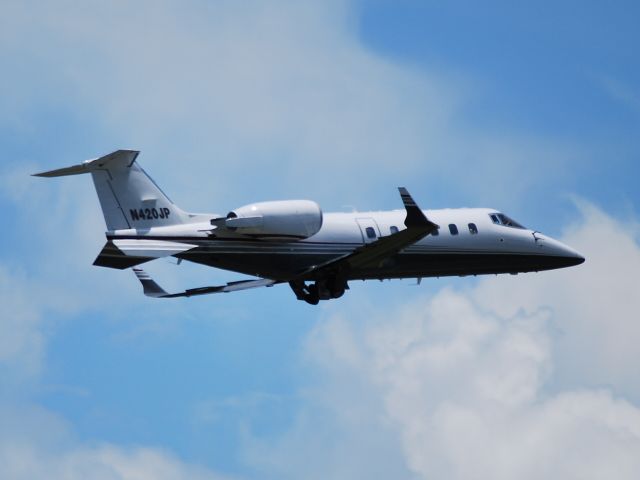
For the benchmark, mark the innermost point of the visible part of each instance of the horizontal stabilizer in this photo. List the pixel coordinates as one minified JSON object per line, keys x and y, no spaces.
{"x":124,"y":157}
{"x":123,"y":254}
{"x":152,"y":289}
{"x":151,"y":248}
{"x":112,"y":257}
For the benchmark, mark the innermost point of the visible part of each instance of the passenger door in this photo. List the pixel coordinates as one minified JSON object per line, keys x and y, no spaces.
{"x":368,"y":229}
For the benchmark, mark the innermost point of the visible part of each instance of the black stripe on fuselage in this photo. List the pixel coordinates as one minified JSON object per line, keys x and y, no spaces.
{"x":284,"y":260}
{"x":285,"y":266}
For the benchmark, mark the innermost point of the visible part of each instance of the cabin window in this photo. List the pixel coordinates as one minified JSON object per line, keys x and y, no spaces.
{"x":473,"y":230}
{"x":393,"y":229}
{"x":371,"y":233}
{"x":453,"y":229}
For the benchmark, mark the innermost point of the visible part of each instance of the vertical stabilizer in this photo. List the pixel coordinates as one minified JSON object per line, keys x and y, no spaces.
{"x":128,"y":196}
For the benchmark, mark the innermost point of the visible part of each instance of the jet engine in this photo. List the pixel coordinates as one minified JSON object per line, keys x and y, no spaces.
{"x":276,"y":220}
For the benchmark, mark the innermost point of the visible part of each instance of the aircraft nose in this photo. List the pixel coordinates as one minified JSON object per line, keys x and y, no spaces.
{"x":574,"y":258}
{"x":569,"y":255}
{"x":564,"y":254}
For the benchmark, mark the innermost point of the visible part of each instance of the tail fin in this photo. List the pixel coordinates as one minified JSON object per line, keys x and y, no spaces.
{"x":128,"y":196}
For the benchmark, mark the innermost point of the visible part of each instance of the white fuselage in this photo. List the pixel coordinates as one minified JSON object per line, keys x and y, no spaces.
{"x":480,"y":246}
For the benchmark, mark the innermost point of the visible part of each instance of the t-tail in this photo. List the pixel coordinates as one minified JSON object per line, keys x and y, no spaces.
{"x":130,"y":200}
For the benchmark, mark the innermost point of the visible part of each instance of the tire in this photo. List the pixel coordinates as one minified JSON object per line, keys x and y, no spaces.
{"x":313,"y":297}
{"x":336,"y":288}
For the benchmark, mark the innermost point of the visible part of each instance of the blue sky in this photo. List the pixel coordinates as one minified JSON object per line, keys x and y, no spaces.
{"x":534,"y":110}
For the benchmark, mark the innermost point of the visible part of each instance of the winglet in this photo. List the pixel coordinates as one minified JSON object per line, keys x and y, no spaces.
{"x":149,"y":286}
{"x":415,"y":216}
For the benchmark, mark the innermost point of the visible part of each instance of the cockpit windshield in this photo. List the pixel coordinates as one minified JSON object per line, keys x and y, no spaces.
{"x":502,"y":219}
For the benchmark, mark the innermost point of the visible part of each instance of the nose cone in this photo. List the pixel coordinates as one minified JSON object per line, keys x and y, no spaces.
{"x":561,"y":254}
{"x":573,"y":259}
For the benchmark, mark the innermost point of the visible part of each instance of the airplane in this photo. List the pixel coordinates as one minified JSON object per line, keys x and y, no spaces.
{"x":294,"y":242}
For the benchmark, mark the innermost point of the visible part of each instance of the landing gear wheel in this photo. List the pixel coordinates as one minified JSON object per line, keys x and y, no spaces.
{"x":336,"y":287}
{"x":313,"y":297}
{"x":336,"y":290}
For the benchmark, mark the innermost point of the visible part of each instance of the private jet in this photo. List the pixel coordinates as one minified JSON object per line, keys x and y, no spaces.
{"x":294,"y":242}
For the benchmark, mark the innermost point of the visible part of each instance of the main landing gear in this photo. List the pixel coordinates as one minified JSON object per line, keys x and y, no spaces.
{"x":325,"y":289}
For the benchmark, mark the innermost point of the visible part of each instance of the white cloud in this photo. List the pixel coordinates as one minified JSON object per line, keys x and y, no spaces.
{"x":36,"y":444}
{"x":466,"y":381}
{"x":21,"y":338}
{"x":257,"y":95}
{"x":103,"y":462}
{"x":594,"y":306}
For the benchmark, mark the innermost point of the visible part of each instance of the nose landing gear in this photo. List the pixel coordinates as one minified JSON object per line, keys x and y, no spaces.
{"x":325,"y":289}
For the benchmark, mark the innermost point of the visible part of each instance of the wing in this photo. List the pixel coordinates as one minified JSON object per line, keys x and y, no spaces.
{"x":152,"y":289}
{"x":372,"y":254}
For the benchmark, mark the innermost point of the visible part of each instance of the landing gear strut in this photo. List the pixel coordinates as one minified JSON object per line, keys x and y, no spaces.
{"x":325,"y":289}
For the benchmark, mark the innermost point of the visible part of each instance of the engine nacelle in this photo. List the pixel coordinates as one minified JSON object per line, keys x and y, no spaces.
{"x":275,"y":220}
